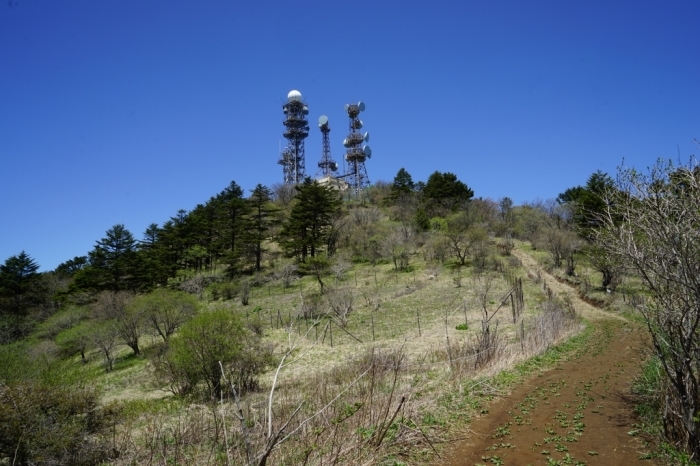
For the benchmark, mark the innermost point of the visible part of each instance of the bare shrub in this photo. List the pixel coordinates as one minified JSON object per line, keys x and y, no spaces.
{"x":651,"y":228}
{"x":341,"y":301}
{"x":286,"y":275}
{"x":244,"y":292}
{"x":311,"y":305}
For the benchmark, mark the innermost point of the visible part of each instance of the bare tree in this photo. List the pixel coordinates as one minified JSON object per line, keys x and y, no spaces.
{"x":652,"y":228}
{"x":128,"y":321}
{"x":105,"y":337}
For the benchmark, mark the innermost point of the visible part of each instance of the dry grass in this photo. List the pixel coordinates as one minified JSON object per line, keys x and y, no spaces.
{"x":388,"y":388}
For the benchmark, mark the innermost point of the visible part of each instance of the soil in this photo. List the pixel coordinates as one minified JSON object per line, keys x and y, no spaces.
{"x":576,"y":413}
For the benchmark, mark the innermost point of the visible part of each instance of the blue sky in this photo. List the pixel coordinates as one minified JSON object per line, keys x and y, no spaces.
{"x":124,"y":111}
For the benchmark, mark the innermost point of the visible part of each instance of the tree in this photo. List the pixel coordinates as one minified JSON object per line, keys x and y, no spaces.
{"x":307,"y":228}
{"x":165,"y":310}
{"x":115,"y":307}
{"x":113,"y":263}
{"x":650,"y":226}
{"x":588,"y":202}
{"x":105,"y":337}
{"x":446,"y":190}
{"x":232,"y":208}
{"x":317,"y":267}
{"x":18,"y":278}
{"x":261,"y":217}
{"x":402,"y":185}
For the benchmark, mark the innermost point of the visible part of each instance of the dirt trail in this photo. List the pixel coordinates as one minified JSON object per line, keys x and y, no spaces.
{"x":575,"y":413}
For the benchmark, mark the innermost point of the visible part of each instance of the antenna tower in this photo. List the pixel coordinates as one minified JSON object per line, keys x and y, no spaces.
{"x":327,"y":165}
{"x":296,"y":130}
{"x":356,"y":153}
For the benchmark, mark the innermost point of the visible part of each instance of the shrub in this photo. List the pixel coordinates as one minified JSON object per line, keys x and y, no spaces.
{"x":203,"y":342}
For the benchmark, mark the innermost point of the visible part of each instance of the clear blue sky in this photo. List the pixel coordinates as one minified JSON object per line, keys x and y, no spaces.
{"x":126,"y":111}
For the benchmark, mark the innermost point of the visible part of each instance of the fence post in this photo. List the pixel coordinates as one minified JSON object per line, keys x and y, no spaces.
{"x":418,"y":315}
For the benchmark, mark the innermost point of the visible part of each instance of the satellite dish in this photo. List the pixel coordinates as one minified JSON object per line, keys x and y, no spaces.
{"x":347,"y":106}
{"x":361,"y":105}
{"x":294,"y":96}
{"x":366,"y":137}
{"x":335,"y":166}
{"x":306,"y":110}
{"x":346,"y":143}
{"x":322,"y":120}
{"x":367,"y":151}
{"x":358,"y":124}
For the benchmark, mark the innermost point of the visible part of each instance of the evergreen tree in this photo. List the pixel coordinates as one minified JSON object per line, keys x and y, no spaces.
{"x":261,"y":217}
{"x":403,"y":184}
{"x":314,"y":208}
{"x":113,"y":263}
{"x":232,"y":208}
{"x":18,"y":281}
{"x":446,"y":187}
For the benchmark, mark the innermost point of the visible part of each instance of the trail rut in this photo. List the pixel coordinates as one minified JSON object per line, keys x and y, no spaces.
{"x":577,"y":413}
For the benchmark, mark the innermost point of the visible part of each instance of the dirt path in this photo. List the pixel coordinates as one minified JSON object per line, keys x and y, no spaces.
{"x":574,"y":414}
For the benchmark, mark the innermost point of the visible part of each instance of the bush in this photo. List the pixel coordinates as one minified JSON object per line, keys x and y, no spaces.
{"x":50,"y":424}
{"x":203,"y":342}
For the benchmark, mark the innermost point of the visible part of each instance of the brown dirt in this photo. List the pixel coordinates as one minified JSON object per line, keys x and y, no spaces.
{"x":576,"y":413}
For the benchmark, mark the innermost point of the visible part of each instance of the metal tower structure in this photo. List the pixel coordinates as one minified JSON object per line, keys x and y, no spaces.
{"x":357,"y":153}
{"x":296,"y":130}
{"x":327,"y":165}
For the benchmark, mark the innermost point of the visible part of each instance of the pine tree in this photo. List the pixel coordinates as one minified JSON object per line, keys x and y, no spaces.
{"x":314,"y":208}
{"x":262,"y":216}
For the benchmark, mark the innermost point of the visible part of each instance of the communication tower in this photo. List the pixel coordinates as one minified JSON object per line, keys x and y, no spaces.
{"x":327,"y":165}
{"x":357,"y":152}
{"x":296,"y":129}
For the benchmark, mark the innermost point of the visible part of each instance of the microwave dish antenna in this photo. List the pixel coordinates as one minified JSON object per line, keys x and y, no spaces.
{"x":356,"y":153}
{"x":296,"y":130}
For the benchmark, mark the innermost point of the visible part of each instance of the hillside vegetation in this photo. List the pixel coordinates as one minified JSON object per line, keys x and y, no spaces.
{"x":295,"y":326}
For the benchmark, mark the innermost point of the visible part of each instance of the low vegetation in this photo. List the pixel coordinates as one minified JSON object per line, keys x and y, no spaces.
{"x":297,"y":327}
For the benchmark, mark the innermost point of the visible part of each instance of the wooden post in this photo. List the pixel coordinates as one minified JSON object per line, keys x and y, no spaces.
{"x":372,"y":325}
{"x":375,"y":278}
{"x":522,"y":336}
{"x":418,"y":315}
{"x":464,"y":304}
{"x":330,"y":328}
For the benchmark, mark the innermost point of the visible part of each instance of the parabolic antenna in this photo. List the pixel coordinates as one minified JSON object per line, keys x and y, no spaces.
{"x":294,"y":96}
{"x":367,"y":151}
{"x":361,"y":105}
{"x":322,"y":120}
{"x":347,"y":106}
{"x":306,"y":110}
{"x":335,"y":166}
{"x":366,"y":137}
{"x":358,"y":124}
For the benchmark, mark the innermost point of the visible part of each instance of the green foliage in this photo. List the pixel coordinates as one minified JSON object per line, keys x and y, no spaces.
{"x":203,"y":342}
{"x":446,"y":189}
{"x":50,"y":424}
{"x":165,"y":310}
{"x":403,"y":184}
{"x":309,"y":223}
{"x":113,"y":264}
{"x":588,"y":203}
{"x":18,"y":283}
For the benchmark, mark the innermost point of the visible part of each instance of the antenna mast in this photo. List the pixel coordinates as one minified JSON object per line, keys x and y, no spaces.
{"x":296,"y":130}
{"x":356,"y":153}
{"x":327,"y":165}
